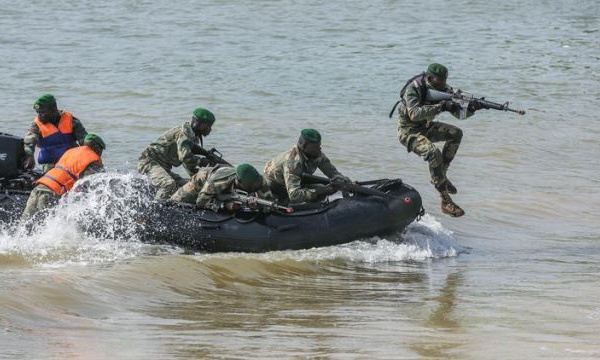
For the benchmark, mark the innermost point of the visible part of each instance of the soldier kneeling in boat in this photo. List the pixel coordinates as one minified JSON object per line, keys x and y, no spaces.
{"x":284,"y":172}
{"x":175,"y":147}
{"x":75,"y":163}
{"x":216,"y":193}
{"x":189,"y":192}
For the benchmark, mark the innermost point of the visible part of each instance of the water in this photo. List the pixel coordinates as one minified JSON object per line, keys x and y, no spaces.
{"x":517,"y":277}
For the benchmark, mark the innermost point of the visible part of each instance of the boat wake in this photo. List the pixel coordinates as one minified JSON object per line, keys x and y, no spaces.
{"x":107,"y":211}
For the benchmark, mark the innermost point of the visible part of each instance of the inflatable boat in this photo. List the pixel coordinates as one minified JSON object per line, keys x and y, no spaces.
{"x":387,"y":207}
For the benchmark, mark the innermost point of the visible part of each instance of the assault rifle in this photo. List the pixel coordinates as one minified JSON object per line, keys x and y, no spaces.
{"x":342,"y":186}
{"x":464,"y":99}
{"x":213,"y":155}
{"x":244,"y":199}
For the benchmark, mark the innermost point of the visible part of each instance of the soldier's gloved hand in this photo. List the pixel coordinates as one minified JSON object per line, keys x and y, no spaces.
{"x":29,"y":162}
{"x":475,"y":105}
{"x":449,"y":105}
{"x":232,"y":206}
{"x":341,"y":179}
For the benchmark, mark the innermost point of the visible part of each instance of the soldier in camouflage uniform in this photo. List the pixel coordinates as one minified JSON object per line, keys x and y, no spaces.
{"x":417,"y":129}
{"x":284,"y":172}
{"x":43,"y":197}
{"x":224,"y":181}
{"x":49,"y":116}
{"x":177,"y":146}
{"x":189,"y":192}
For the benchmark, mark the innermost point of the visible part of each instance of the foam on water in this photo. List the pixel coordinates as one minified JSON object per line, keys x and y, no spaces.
{"x":95,"y":226}
{"x":98,"y":226}
{"x":423,"y":240}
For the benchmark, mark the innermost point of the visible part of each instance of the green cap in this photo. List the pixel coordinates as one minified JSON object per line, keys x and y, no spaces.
{"x":44,"y":101}
{"x":311,"y":136}
{"x":437,"y":70}
{"x":94,"y":139}
{"x":203,"y":115}
{"x":247,"y":174}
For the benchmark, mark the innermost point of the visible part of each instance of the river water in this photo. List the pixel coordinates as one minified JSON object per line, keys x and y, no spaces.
{"x":516,"y":277}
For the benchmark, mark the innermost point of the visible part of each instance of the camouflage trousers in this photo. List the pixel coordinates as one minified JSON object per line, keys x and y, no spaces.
{"x":188,"y":193}
{"x":164,"y":180}
{"x":41,"y":198}
{"x":422,"y":144}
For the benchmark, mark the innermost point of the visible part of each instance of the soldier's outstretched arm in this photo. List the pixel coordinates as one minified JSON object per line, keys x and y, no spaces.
{"x":30,"y":139}
{"x":185,"y":154}
{"x":292,"y":175}
{"x":79,"y":130}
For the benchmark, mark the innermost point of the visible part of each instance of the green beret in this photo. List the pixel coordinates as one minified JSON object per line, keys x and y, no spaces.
{"x":44,"y":101}
{"x":203,"y":115}
{"x":247,"y":174}
{"x":94,"y":139}
{"x":311,"y":136}
{"x":437,"y":70}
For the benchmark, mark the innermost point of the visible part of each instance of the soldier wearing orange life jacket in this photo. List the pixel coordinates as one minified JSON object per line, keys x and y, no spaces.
{"x":53,"y":131}
{"x":75,"y":163}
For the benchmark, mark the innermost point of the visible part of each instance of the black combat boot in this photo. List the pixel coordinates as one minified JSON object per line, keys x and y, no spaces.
{"x":449,"y":207}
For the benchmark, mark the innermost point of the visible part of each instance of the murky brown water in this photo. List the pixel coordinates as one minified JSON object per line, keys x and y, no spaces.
{"x":517,"y":277}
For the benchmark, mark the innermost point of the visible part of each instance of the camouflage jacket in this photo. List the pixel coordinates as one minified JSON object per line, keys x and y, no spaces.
{"x":221,"y":183}
{"x":286,"y":170}
{"x":414,"y":112}
{"x":189,"y":192}
{"x":174,"y":148}
{"x":33,"y":135}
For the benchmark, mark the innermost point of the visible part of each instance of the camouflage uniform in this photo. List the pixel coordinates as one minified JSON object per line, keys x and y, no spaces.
{"x":284,"y":174}
{"x":42,"y":197}
{"x":188,"y":193}
{"x":417,"y":131}
{"x":219,"y":185}
{"x":173,"y":148}
{"x":33,"y":135}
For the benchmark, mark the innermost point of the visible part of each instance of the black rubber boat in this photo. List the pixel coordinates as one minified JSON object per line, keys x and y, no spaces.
{"x":338,"y":221}
{"x":335,"y":222}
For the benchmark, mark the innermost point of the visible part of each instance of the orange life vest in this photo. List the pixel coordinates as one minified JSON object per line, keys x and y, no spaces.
{"x":69,"y":168}
{"x":55,"y":140}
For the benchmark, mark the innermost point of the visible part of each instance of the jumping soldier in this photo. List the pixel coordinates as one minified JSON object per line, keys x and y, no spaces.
{"x":417,"y":129}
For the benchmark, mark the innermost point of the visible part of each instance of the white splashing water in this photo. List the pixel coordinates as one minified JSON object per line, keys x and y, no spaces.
{"x":423,"y":240}
{"x":107,"y":211}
